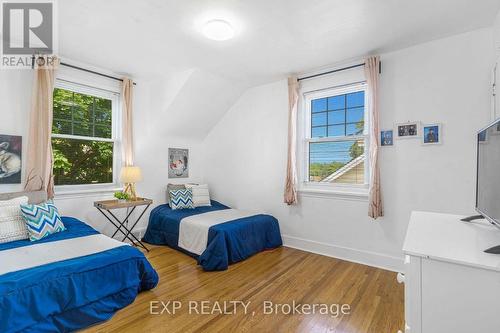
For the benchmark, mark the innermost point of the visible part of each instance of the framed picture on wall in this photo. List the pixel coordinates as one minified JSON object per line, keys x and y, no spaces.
{"x":432,"y":134}
{"x":410,"y":130}
{"x":386,"y":138}
{"x":178,"y":163}
{"x":11,"y":152}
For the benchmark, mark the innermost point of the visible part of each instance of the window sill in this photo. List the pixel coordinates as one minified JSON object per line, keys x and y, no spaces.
{"x":348,"y":193}
{"x":85,"y":191}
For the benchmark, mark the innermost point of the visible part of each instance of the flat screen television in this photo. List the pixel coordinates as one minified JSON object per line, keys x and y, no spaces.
{"x":488,"y":173}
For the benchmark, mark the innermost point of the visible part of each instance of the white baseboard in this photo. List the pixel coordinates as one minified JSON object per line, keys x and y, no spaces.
{"x":374,"y":259}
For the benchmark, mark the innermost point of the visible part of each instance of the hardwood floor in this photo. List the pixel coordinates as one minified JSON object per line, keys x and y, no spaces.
{"x":279,"y":276}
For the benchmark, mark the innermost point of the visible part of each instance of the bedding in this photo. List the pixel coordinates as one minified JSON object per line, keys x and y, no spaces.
{"x":231,"y":236}
{"x":68,"y":280}
{"x":12,"y":225}
{"x":172,"y":187}
{"x":201,"y":194}
{"x":42,"y":220}
{"x":181,"y":199}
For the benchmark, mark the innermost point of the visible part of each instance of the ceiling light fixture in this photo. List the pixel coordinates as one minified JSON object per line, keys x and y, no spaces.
{"x":218,"y":30}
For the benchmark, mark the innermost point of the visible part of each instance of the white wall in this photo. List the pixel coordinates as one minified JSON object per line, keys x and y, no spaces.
{"x":443,"y":81}
{"x":151,"y":148}
{"x":496,"y":34}
{"x":496,"y":74}
{"x":15,"y":100}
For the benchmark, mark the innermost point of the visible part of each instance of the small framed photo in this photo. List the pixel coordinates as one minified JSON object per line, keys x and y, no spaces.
{"x":386,"y":138}
{"x":408,"y":130}
{"x":432,"y":134}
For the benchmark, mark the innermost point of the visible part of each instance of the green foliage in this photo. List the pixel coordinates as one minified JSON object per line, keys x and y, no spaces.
{"x":356,"y":150}
{"x":82,"y":161}
{"x":79,"y":114}
{"x":319,"y":171}
{"x":122,"y":196}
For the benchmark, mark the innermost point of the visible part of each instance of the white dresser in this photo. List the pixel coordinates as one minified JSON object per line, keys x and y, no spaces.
{"x":451,"y":285}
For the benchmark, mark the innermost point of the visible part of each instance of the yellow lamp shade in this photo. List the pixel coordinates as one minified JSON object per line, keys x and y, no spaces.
{"x":130,"y":174}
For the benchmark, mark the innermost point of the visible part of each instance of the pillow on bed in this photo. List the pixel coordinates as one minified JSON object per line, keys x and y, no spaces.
{"x":42,"y":220}
{"x":201,"y":195}
{"x":171,"y":187}
{"x":181,"y":199}
{"x":12,"y":226}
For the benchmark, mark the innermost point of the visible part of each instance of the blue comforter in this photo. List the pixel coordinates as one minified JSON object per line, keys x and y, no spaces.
{"x":72,"y":294}
{"x":228,"y":242}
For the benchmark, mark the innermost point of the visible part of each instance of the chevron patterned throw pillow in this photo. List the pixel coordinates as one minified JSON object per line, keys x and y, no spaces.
{"x":42,"y":220}
{"x":181,"y":199}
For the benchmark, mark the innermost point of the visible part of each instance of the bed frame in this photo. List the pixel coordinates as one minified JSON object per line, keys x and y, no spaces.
{"x":35,"y":197}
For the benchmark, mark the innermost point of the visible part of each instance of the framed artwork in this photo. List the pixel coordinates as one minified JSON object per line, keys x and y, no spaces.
{"x":386,"y":138}
{"x":178,"y":163}
{"x":432,"y":134}
{"x":408,"y":130}
{"x":11,"y":152}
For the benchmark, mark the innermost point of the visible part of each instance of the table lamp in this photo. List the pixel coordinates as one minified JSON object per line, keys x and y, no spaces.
{"x":129,"y":176}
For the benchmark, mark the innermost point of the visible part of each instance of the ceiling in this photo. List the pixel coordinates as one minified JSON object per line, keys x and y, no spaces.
{"x":149,"y":38}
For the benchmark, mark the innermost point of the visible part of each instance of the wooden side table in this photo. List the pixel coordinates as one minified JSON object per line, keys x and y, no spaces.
{"x":106,"y":207}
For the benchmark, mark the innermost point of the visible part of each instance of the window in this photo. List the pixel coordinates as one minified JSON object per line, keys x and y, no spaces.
{"x":83,"y":135}
{"x":336,"y":138}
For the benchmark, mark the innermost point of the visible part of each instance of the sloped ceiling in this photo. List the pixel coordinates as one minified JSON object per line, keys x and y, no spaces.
{"x":190,"y":103}
{"x":199,"y":79}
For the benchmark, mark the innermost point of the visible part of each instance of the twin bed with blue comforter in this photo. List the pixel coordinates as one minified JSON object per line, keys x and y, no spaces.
{"x":216,"y":236}
{"x":76,"y":278}
{"x":39,"y":293}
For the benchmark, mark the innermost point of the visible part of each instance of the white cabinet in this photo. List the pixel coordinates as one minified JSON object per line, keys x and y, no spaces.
{"x":413,"y":314}
{"x":451,"y":285}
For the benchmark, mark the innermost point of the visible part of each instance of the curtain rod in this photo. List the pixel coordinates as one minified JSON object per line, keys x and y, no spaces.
{"x":93,"y":72}
{"x":337,"y":70}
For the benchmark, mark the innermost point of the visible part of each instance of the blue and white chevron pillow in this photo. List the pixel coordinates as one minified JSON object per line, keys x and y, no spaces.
{"x":42,"y":220}
{"x":181,"y":199}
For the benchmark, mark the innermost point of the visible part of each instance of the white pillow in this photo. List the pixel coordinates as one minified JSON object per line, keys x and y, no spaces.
{"x":201,"y":195}
{"x":12,"y":225}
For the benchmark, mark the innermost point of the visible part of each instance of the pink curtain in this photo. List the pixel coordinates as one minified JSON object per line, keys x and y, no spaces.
{"x":372,"y":65}
{"x":128,"y":135}
{"x":39,"y":174}
{"x":291,"y":168}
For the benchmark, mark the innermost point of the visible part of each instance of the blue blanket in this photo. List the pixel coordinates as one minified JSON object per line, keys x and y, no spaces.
{"x":72,"y":294}
{"x":228,"y":242}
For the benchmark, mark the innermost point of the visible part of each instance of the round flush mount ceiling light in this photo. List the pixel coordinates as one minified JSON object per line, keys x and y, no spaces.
{"x":218,"y":30}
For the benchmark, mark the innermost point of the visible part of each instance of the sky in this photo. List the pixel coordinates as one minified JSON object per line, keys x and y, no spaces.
{"x":332,"y":117}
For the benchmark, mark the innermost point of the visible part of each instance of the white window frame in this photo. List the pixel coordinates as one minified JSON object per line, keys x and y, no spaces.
{"x":116,"y":122}
{"x":314,"y":188}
